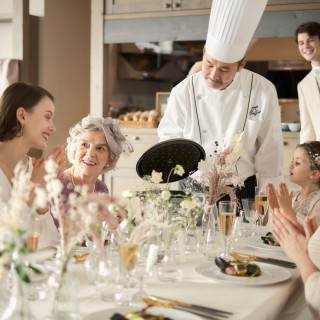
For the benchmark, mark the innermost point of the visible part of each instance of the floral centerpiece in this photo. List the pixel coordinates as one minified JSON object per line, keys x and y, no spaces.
{"x":15,"y":256}
{"x":217,"y":173}
{"x":81,"y":214}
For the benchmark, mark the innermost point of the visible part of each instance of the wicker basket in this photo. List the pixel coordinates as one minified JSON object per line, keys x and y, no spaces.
{"x":138,"y":124}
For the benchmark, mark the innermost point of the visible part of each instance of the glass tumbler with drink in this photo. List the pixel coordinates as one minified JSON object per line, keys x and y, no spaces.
{"x":262,"y":203}
{"x":227,"y":217}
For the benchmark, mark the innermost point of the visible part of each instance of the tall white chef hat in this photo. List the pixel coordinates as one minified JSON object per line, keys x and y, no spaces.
{"x":231,"y":26}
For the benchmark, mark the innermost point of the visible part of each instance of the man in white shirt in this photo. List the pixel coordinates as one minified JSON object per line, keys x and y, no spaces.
{"x":308,"y":39}
{"x":224,"y":99}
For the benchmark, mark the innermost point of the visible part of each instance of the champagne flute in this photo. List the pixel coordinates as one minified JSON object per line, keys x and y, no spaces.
{"x":33,"y":235}
{"x":262,"y":203}
{"x":227,"y":217}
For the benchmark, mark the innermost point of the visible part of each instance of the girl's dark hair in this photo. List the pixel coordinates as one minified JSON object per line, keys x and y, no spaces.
{"x":312,"y":149}
{"x":19,"y":94}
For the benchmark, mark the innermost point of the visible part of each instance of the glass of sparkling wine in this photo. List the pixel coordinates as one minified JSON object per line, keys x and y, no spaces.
{"x":227,"y":218}
{"x":262,"y":203}
{"x":33,"y":235}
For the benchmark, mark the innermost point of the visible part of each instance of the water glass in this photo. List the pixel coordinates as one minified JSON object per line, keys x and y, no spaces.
{"x":250,"y":213}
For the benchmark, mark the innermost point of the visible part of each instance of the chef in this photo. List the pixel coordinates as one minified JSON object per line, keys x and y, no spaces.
{"x":224,"y":98}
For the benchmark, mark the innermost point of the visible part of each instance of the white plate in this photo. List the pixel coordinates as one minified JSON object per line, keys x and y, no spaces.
{"x":256,"y":243}
{"x":270,"y":274}
{"x":172,"y":313}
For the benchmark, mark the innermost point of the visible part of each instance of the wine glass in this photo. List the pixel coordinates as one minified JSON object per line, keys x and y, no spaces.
{"x":262,"y":203}
{"x":227,"y":217}
{"x":128,"y":254}
{"x":250,"y":213}
{"x":147,"y":257}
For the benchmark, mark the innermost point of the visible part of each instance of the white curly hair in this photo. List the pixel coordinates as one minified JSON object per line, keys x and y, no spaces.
{"x":116,"y":141}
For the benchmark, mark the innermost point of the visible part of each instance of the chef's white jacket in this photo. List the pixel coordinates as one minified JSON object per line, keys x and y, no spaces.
{"x":206,"y":115}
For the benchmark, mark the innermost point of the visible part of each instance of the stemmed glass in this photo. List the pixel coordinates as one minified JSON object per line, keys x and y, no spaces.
{"x":262,"y":203}
{"x":128,"y":254}
{"x":227,"y":217}
{"x":147,"y":257}
{"x":250,"y":213}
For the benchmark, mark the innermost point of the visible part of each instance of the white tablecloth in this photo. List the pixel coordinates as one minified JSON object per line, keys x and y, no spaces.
{"x":278,"y":301}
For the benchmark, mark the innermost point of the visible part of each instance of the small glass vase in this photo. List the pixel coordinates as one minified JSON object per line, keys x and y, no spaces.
{"x":168,"y":270}
{"x":14,"y":297}
{"x":193,"y":238}
{"x":64,"y":288}
{"x":211,"y":238}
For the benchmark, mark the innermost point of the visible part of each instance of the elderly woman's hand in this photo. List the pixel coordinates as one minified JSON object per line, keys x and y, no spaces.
{"x":290,"y":234}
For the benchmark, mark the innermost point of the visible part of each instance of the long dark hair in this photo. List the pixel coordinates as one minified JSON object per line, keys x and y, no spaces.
{"x":19,"y":94}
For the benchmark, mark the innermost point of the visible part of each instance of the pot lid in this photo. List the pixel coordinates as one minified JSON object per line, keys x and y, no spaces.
{"x":164,"y":156}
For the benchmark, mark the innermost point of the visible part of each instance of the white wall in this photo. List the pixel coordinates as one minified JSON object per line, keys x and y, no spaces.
{"x":64,"y":62}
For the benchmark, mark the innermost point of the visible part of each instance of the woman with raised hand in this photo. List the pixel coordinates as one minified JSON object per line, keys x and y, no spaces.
{"x":302,"y":245}
{"x":26,"y":121}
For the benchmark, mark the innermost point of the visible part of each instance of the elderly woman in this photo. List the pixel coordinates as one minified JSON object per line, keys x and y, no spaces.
{"x":93,"y":147}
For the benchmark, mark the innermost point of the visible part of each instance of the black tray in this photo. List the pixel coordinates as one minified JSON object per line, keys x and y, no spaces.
{"x":165,"y":155}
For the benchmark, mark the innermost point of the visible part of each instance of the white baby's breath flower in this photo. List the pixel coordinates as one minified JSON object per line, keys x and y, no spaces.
{"x":54,"y":188}
{"x":165,"y":195}
{"x":88,"y":221}
{"x":112,"y":208}
{"x":41,"y":198}
{"x":178,"y":170}
{"x":156,"y":177}
{"x":127,"y":194}
{"x":93,"y":207}
{"x":188,"y":204}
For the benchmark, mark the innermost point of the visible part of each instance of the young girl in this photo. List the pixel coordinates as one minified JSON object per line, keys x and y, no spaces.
{"x":26,"y":121}
{"x":305,"y":172}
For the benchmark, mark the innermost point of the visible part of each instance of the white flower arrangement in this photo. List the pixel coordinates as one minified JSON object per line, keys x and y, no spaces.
{"x":15,"y":216}
{"x":157,"y":210}
{"x":217,"y":173}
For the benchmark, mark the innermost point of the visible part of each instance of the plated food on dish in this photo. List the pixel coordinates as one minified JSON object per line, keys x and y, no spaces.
{"x":238,"y":268}
{"x":270,"y":240}
{"x":167,"y":313}
{"x":270,"y":274}
{"x":258,"y":244}
{"x":139,"y":315}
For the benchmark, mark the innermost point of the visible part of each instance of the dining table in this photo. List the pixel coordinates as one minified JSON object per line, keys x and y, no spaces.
{"x":277,"y":298}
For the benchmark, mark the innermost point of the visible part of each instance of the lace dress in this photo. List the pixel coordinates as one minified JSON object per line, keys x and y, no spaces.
{"x":312,"y":287}
{"x":307,"y":207}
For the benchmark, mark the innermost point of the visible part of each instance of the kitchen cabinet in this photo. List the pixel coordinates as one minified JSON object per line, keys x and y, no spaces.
{"x":125,"y":176}
{"x":139,"y":6}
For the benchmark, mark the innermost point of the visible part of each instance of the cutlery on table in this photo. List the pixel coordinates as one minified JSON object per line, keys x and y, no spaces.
{"x":207,"y":313}
{"x":248,"y":257}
